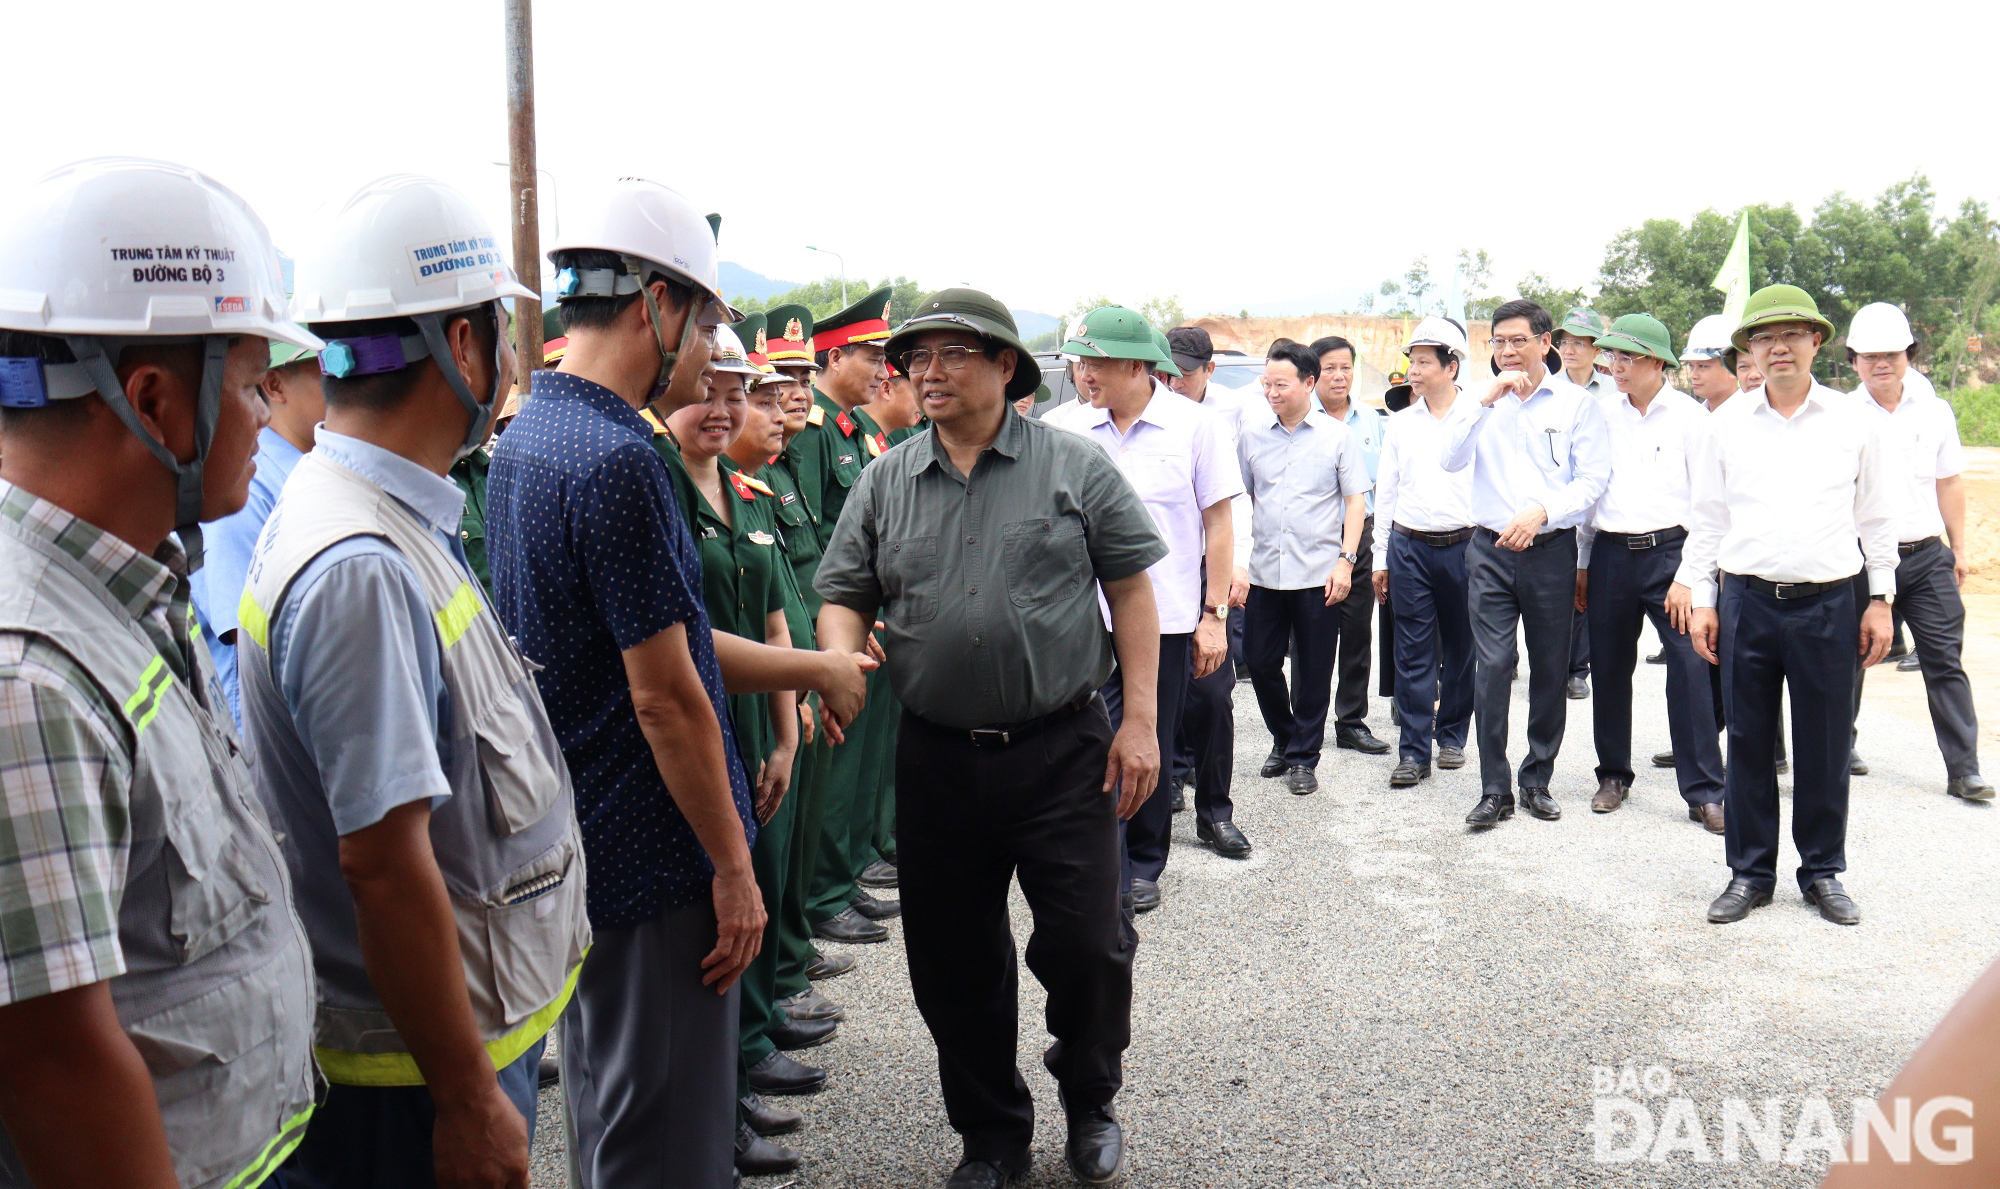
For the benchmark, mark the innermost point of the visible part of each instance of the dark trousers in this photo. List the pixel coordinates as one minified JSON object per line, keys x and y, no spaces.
{"x":1206,"y":742}
{"x":968,"y":820}
{"x":1298,"y":620}
{"x":1536,"y":590}
{"x":1357,"y":614}
{"x":1432,"y":642}
{"x":379,"y":1137}
{"x":1627,"y":588}
{"x":1806,"y":646}
{"x":1928,"y":600}
{"x":1385,"y":631}
{"x":1579,"y":647}
{"x":1149,"y":831}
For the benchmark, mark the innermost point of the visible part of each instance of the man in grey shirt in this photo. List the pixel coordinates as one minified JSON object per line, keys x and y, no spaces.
{"x":1308,"y":489}
{"x":982,"y":545}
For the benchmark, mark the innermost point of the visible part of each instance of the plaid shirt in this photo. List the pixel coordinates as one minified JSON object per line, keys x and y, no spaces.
{"x":66,"y":762}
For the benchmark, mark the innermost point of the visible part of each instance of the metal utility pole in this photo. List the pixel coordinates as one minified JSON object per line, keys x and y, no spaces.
{"x":522,"y":178}
{"x":843,"y":269}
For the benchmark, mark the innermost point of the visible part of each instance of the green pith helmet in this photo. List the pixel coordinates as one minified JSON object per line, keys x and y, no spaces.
{"x":1640,"y":334}
{"x":283,"y":353}
{"x":1779,"y":303}
{"x":552,"y":327}
{"x":1114,"y":332}
{"x":969,"y":309}
{"x":1585,"y":324}
{"x":1169,"y":367}
{"x":866,"y":321}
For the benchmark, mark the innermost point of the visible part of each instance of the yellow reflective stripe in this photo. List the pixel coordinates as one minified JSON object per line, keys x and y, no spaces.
{"x":251,"y":618}
{"x":400,"y":1069}
{"x":153,"y":685}
{"x":274,"y":1153}
{"x":458,"y":614}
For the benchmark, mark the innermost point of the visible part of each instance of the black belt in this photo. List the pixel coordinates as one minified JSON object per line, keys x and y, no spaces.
{"x":1659,"y":536}
{"x":1909,"y":547}
{"x":1541,"y":540}
{"x":1439,"y":540}
{"x":1790,"y":590}
{"x":1012,"y":733}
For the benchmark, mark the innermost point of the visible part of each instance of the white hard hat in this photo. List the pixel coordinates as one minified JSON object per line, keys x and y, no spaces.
{"x":1879,"y":326}
{"x":1709,"y":338}
{"x":729,"y":355}
{"x":1439,"y":332}
{"x":106,"y":251}
{"x":643,"y":221}
{"x":411,"y":247}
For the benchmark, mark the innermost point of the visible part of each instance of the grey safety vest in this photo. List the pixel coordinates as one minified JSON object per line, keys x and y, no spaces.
{"x":506,"y":840}
{"x":217,"y":992}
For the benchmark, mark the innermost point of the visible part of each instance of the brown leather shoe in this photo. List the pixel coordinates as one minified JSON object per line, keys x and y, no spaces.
{"x":1611,"y":793}
{"x":1710,"y":816}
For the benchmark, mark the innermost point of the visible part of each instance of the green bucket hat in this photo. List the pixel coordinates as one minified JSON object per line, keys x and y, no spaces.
{"x":1169,"y":367}
{"x":1640,"y":334}
{"x":969,"y":309}
{"x":1779,"y":303}
{"x":1114,"y":332}
{"x":1585,"y":323}
{"x":284,"y":353}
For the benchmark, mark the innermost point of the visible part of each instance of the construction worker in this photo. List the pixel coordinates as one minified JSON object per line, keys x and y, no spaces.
{"x":145,"y":882}
{"x":362,"y":620}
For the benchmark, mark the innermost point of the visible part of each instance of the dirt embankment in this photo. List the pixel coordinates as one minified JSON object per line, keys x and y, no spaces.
{"x":1378,"y":341}
{"x":1982,"y":519}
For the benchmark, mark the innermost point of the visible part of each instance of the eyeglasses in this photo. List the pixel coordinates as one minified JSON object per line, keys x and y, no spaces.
{"x":1515,"y":343}
{"x":917,"y":360}
{"x":1794,"y":337}
{"x":1625,"y":357}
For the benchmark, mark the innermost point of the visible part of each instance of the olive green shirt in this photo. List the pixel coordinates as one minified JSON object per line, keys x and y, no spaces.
{"x":987,"y":584}
{"x":470,"y":475}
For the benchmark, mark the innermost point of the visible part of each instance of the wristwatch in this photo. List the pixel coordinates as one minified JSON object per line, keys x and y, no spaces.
{"x":1882,"y":598}
{"x":1351,"y":558}
{"x":1220,"y":610}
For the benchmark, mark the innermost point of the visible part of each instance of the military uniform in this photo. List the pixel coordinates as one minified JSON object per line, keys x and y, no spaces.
{"x":470,"y":475}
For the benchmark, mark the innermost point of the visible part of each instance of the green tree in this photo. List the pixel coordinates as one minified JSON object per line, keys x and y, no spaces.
{"x":1163,"y":312}
{"x":822,"y":297}
{"x":1539,"y":289}
{"x":1417,"y":284}
{"x":1475,"y":272}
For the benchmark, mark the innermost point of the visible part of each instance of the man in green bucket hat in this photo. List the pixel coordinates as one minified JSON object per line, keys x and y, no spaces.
{"x":1770,"y":588}
{"x":1628,"y":552}
{"x":1577,"y":343}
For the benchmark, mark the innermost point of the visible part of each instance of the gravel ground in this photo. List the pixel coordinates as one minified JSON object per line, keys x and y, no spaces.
{"x":1379,"y":997}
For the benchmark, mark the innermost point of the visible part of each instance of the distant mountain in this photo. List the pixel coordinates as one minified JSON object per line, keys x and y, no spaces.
{"x":738,"y":281}
{"x":1032,"y":325}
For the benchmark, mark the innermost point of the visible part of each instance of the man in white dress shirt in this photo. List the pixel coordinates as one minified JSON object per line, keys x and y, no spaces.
{"x":1335,"y":393}
{"x":1627,"y":554}
{"x":1177,"y":456}
{"x":1788,"y":476}
{"x":1539,"y":459}
{"x":1576,"y":342}
{"x":1423,"y":520}
{"x":1921,"y":432}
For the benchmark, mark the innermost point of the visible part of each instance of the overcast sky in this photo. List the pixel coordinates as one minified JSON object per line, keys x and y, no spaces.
{"x":1228,"y":153}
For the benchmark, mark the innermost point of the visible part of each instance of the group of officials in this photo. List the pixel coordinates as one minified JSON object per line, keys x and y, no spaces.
{"x":598,"y":724}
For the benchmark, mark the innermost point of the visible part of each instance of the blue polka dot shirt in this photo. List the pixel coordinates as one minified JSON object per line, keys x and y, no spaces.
{"x":590,"y":557}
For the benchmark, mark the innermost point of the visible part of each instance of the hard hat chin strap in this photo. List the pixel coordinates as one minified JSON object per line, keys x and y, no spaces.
{"x":657,"y":319}
{"x":432,"y":326}
{"x":92,"y":355}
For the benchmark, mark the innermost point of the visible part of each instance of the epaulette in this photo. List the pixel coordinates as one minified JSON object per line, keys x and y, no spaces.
{"x":659,"y":426}
{"x":757,"y":485}
{"x":815,"y":416}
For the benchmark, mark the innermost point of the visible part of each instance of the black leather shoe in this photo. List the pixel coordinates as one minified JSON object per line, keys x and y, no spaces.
{"x":809,"y":1004}
{"x":1856,"y":766}
{"x":1784,"y":767}
{"x":1970,"y":787}
{"x":1451,"y":757}
{"x":850,"y":926}
{"x":1145,"y":895}
{"x":1736,"y":902}
{"x":879,"y":874}
{"x":1407,"y":774}
{"x":875,"y":908}
{"x":1096,"y":1147}
{"x":1493,"y":808}
{"x":1301,"y":781}
{"x":795,"y":1034}
{"x":1898,"y":648}
{"x":1658,"y":658}
{"x":1178,"y":793}
{"x":1224,"y":838}
{"x":1833,"y":901}
{"x":1577,"y":689}
{"x":760,"y":1157}
{"x":1910,"y":664}
{"x":1538,"y":803}
{"x":766,"y":1119}
{"x":1359,"y":739}
{"x":779,"y":1074}
{"x":1663,"y":759}
{"x":1274,"y":764}
{"x":826,"y":966}
{"x":984,"y":1174}
{"x":1611,"y":793}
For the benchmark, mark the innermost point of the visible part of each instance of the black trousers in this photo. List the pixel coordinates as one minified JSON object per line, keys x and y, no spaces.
{"x":1357,"y":615}
{"x":1149,"y":832}
{"x":1207,"y":742}
{"x":1299,"y":621}
{"x":1579,"y":648}
{"x":1385,"y":631}
{"x":1535,"y":589}
{"x":1432,"y":646}
{"x":1927,"y":598}
{"x":1807,"y":646}
{"x":1627,"y":588}
{"x":969,"y":820}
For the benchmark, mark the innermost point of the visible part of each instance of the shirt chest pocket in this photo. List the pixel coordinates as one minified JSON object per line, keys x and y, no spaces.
{"x":1046,"y":561}
{"x":910,"y":579}
{"x":1158,"y":477}
{"x":213,"y":888}
{"x":1546,"y":445}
